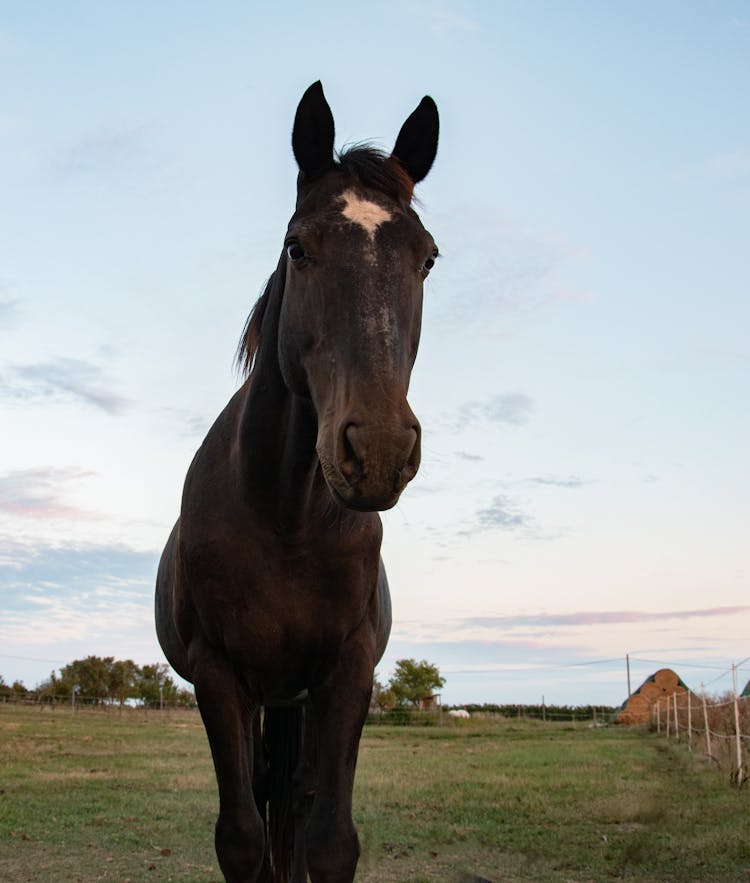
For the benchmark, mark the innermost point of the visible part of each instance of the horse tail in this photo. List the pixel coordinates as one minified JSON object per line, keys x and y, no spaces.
{"x":282,"y":735}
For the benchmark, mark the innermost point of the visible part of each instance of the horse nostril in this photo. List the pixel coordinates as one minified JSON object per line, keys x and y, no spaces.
{"x":350,"y":466}
{"x":411,"y":464}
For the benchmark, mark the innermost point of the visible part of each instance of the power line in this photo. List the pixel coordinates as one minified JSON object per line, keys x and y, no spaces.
{"x":682,"y":664}
{"x":617,"y":659}
{"x":33,"y":659}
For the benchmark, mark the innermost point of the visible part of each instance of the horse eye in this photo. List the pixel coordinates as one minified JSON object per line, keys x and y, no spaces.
{"x":430,"y":262}
{"x":295,"y":251}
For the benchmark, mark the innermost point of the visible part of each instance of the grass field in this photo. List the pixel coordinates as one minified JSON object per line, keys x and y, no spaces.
{"x":96,"y":796}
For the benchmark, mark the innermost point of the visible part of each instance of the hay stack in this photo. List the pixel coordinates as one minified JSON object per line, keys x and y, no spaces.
{"x":637,"y":709}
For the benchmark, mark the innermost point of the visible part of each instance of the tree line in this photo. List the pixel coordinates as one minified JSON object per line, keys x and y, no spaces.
{"x":543,"y":712}
{"x":98,"y":680}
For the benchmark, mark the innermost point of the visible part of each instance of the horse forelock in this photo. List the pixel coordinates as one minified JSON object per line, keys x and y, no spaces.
{"x":376,"y":170}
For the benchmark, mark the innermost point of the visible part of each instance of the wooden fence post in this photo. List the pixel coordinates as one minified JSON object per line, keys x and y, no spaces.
{"x":667,"y":698}
{"x":705,"y":722}
{"x":738,"y":737}
{"x":737,"y":732}
{"x":690,"y":724}
{"x":676,"y":719}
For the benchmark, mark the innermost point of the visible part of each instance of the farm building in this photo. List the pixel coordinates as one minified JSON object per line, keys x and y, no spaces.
{"x":429,"y":703}
{"x":637,"y":709}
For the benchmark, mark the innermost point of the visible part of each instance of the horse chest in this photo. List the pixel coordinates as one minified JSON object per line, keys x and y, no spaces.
{"x":289,"y":611}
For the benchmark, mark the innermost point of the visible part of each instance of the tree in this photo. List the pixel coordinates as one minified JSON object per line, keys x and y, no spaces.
{"x":54,"y":689}
{"x":185,"y":698}
{"x":382,"y":697}
{"x":155,"y":684}
{"x":123,"y":675}
{"x":414,"y":680}
{"x":108,"y":680}
{"x":16,"y":691}
{"x":91,"y":675}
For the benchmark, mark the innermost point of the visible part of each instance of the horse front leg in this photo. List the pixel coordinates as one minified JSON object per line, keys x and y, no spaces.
{"x":304,"y":785}
{"x":228,"y":717}
{"x":341,"y":704}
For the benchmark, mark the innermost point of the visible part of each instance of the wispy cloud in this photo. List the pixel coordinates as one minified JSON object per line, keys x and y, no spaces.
{"x":503,"y":271}
{"x":573,"y":295}
{"x":51,"y":593}
{"x":466,"y":455}
{"x":512,"y":408}
{"x":40,"y":493}
{"x":731,"y":164}
{"x":503,"y":513}
{"x":8,"y":307}
{"x":63,"y":378}
{"x":598,"y":617}
{"x":107,"y":148}
{"x":422,"y":488}
{"x":738,"y":24}
{"x":467,"y":653}
{"x":190,"y":424}
{"x":571,"y":482}
{"x":443,"y":17}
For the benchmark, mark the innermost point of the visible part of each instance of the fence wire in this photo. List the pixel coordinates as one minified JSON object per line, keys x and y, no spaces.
{"x":717,"y":727}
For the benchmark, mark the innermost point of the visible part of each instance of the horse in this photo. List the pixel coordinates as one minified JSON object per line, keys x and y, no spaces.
{"x":271,"y":596}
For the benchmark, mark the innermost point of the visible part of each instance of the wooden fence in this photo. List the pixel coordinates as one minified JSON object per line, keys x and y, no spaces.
{"x":716,"y":727}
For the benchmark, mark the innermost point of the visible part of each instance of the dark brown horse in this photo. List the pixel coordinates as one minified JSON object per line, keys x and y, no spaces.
{"x":271,"y":596}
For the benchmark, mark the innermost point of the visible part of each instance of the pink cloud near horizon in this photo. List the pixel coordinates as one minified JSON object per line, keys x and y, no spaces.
{"x":40,"y":493}
{"x":602,"y":617}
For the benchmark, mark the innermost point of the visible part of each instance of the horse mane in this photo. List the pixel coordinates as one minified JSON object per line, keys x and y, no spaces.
{"x":367,"y":165}
{"x":247,"y":348}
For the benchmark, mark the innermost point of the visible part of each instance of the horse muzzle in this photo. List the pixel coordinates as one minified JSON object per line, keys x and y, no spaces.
{"x":373,"y":460}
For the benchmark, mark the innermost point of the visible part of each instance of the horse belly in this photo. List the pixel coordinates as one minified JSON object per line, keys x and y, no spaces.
{"x":165,"y":608}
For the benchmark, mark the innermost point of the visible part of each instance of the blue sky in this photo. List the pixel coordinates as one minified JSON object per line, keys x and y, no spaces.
{"x":583,"y":374}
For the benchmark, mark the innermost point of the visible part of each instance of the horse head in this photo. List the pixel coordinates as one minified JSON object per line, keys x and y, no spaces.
{"x":356,"y":259}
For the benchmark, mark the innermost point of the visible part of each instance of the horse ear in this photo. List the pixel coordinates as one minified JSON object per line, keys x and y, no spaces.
{"x":416,"y":145}
{"x":313,"y":133}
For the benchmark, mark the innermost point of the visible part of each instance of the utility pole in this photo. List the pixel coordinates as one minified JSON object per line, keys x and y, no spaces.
{"x":627,"y":666}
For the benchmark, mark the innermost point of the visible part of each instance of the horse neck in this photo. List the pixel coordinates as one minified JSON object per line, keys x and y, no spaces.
{"x":277,"y":433}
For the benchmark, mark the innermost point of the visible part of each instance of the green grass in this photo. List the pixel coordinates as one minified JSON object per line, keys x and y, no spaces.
{"x":129,"y":797}
{"x":546,"y":802}
{"x":105,"y":797}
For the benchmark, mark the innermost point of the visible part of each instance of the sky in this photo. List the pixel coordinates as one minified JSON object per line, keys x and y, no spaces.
{"x":583,"y":375}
